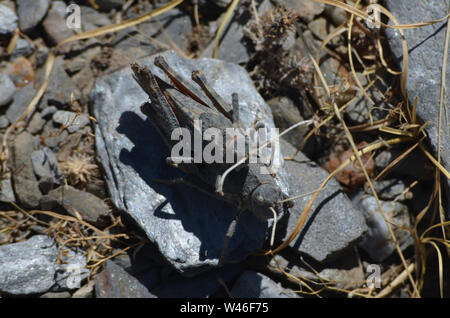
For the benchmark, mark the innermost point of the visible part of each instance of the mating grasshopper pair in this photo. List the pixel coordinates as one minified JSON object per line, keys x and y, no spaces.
{"x":179,"y":106}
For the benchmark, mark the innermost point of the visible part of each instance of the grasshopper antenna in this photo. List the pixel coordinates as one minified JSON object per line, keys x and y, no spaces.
{"x":299,"y":196}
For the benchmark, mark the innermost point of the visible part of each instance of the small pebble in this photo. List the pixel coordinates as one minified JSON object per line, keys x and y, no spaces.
{"x":8,"y":20}
{"x":23,"y":48}
{"x":31,"y":13}
{"x":7,"y":89}
{"x":71,"y":120}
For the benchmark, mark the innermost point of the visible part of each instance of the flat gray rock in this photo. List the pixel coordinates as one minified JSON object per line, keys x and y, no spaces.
{"x":31,"y":13}
{"x":26,"y":185}
{"x":426,"y":48}
{"x":91,"y":208}
{"x":188,"y":226}
{"x":333,"y":223}
{"x":30,"y":267}
{"x":256,"y":285}
{"x":8,"y":20}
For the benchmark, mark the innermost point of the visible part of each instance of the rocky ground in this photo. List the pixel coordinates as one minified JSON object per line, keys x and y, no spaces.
{"x":81,"y":212}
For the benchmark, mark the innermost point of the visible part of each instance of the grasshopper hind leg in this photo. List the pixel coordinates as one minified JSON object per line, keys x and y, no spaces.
{"x":216,"y":99}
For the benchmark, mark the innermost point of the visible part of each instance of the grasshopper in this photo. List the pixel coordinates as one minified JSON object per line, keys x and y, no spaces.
{"x":179,"y":106}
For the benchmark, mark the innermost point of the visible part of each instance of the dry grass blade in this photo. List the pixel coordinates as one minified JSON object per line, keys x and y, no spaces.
{"x":222,"y":26}
{"x":441,"y":266}
{"x":93,"y":4}
{"x":435,"y":162}
{"x":396,"y":282}
{"x":125,"y":24}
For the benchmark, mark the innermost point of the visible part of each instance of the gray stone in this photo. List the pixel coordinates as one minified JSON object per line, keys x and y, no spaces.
{"x":6,"y":190}
{"x":187,"y":226}
{"x":23,"y":48}
{"x":232,"y":47}
{"x":8,"y":20}
{"x":90,"y":208}
{"x":48,"y":111}
{"x":60,"y":87}
{"x":71,"y":120}
{"x":22,"y":98}
{"x":256,"y":285}
{"x":7,"y":89}
{"x":52,"y":136}
{"x":26,"y":186}
{"x":36,"y":124}
{"x":4,"y":122}
{"x":60,"y":7}
{"x":333,"y":224}
{"x":30,"y":267}
{"x":46,"y":168}
{"x":378,"y":242}
{"x":56,"y":28}
{"x":426,"y":49}
{"x":31,"y":13}
{"x":115,"y":282}
{"x":176,"y":25}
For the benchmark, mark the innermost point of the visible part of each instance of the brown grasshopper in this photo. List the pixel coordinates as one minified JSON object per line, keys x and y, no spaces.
{"x":179,"y":106}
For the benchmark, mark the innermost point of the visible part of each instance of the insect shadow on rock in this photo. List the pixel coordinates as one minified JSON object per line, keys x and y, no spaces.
{"x":241,"y":183}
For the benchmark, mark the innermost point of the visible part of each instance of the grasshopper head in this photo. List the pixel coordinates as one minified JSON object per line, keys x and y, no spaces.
{"x":264,"y":197}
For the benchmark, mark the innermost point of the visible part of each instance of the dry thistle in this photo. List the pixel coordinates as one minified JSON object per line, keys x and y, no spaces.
{"x":273,"y":36}
{"x":79,"y":168}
